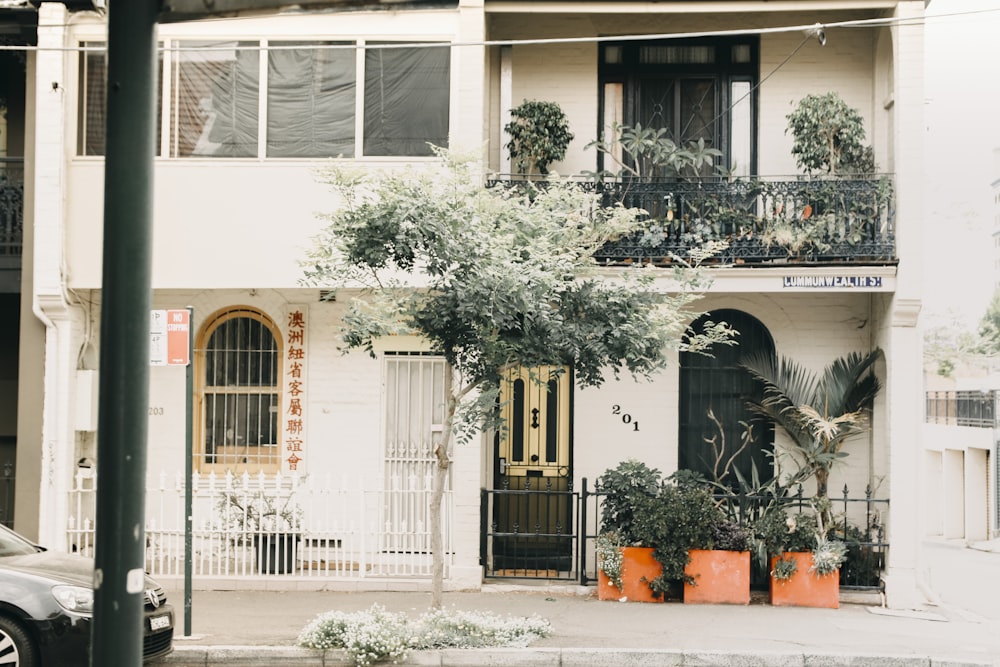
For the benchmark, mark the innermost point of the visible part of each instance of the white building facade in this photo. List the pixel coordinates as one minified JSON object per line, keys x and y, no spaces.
{"x":251,"y":107}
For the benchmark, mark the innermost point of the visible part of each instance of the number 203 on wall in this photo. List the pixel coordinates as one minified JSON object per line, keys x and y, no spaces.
{"x":626,"y":417}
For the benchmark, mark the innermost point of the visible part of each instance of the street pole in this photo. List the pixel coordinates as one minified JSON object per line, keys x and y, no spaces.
{"x":188,"y":472}
{"x":119,"y":553}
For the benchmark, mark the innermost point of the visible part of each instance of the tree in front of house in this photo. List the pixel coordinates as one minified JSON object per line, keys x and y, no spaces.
{"x":496,"y":278}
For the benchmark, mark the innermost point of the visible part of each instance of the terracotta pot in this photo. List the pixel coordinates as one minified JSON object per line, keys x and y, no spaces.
{"x":721,"y":577}
{"x":638,"y":568}
{"x":805,"y":588}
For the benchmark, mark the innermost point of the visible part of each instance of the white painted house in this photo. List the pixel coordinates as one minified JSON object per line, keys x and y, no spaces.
{"x":251,"y":107}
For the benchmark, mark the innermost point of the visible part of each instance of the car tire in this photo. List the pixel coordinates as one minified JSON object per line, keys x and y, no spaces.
{"x":16,"y":647}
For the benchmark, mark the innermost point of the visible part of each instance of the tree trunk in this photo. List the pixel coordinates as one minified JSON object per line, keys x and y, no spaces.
{"x":822,"y":488}
{"x":443,"y":454}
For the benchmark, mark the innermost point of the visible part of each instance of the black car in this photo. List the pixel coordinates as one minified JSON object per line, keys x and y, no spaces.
{"x":46,"y":607}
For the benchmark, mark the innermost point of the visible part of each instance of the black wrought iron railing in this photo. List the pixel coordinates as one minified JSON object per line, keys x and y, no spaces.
{"x":550,"y":532}
{"x":961,"y":408}
{"x":762,"y":220}
{"x":11,"y":206}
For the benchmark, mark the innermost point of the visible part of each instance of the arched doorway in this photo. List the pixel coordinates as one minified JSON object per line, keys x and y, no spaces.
{"x":712,"y":405}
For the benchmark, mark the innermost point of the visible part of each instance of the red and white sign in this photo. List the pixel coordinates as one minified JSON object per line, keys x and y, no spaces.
{"x":169,"y":337}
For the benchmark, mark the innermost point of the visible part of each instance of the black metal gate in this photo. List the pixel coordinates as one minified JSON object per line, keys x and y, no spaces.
{"x":552,"y":531}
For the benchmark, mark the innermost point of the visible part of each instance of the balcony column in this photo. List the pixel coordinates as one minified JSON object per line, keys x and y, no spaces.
{"x":468,"y":134}
{"x":903,"y":344}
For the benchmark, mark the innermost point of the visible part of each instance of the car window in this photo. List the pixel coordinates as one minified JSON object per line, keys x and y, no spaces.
{"x":12,"y":544}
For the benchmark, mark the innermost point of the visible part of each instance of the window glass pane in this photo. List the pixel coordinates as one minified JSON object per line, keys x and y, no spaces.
{"x":741,"y":53}
{"x":92,"y":106}
{"x":215,"y":99}
{"x":241,"y":352}
{"x":310,"y":101}
{"x":742,"y":131}
{"x":688,"y":55}
{"x":406,"y":100}
{"x":93,"y":101}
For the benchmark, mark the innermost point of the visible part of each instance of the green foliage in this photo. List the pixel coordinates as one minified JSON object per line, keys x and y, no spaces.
{"x":818,"y":412}
{"x":625,"y":487}
{"x":777,"y":532}
{"x":539,"y":135}
{"x":507,"y":277}
{"x":376,"y":635}
{"x":247,"y":512}
{"x":677,"y":519}
{"x":828,"y":555}
{"x":608,"y":549}
{"x":784,"y":568}
{"x":650,"y":152}
{"x":829,"y":136}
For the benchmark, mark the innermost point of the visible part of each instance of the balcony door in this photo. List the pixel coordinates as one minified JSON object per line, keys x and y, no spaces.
{"x":692,"y":89}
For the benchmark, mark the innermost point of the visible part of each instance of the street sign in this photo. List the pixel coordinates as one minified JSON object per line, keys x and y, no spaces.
{"x":169,"y":336}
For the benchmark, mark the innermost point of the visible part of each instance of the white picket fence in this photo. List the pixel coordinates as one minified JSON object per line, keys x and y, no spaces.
{"x":267,"y":526}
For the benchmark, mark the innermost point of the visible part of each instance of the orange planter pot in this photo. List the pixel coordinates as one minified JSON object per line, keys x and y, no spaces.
{"x":805,"y":588}
{"x":721,"y":577}
{"x":638,"y":568}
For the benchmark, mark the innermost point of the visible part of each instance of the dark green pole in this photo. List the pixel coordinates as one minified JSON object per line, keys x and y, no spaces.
{"x":188,"y":470}
{"x":119,"y":552}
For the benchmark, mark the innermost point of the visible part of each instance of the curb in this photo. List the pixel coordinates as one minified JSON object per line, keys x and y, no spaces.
{"x":271,"y":656}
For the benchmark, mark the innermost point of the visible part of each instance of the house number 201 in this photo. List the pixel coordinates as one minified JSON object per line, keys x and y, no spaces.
{"x":626,"y":417}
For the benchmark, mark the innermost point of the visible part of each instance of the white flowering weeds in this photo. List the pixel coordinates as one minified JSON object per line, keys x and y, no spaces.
{"x":380,"y":636}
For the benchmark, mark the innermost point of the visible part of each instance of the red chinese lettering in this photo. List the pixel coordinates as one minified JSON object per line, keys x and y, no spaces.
{"x":294,"y":427}
{"x":296,"y":353}
{"x":296,"y":320}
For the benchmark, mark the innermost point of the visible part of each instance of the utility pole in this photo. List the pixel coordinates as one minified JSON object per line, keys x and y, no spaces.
{"x":119,"y":575}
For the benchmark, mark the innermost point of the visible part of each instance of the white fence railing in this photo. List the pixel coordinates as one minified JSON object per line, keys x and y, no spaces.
{"x":274,"y":525}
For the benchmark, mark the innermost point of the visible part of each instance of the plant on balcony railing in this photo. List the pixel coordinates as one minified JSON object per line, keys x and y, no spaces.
{"x":690,"y":198}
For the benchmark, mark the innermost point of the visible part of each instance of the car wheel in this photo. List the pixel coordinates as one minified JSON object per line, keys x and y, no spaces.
{"x":16,"y":647}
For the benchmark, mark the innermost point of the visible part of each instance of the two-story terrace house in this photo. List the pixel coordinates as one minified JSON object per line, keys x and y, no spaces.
{"x":250,"y":106}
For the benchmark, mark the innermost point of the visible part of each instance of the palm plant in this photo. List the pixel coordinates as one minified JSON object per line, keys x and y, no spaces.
{"x":818,"y":412}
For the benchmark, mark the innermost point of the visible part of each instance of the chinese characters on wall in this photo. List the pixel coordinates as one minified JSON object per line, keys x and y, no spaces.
{"x":295,"y":384}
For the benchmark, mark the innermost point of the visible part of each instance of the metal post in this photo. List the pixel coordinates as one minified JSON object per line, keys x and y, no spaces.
{"x":119,"y":583}
{"x":188,"y":471}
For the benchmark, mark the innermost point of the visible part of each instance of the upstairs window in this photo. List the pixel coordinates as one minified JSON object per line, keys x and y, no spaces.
{"x":214,"y":96}
{"x":289,"y":99}
{"x":93,"y":107}
{"x":310,"y":100}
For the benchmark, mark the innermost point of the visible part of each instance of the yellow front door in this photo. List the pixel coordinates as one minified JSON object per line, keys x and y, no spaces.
{"x":532,"y":508}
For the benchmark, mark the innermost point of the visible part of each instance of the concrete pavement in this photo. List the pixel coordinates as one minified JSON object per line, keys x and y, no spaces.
{"x":259,"y":628}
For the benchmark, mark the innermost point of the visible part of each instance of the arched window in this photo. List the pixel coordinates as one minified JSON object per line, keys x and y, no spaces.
{"x":713,"y":391}
{"x":238,"y":364}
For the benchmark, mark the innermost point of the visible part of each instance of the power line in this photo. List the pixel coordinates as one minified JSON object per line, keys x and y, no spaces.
{"x":811,"y":29}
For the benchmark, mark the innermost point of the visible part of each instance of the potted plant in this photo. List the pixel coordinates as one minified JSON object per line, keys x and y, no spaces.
{"x":624,"y":563}
{"x":270,"y":523}
{"x":803,"y":560}
{"x":718,"y":571}
{"x":653,"y":523}
{"x":828,"y":136}
{"x":539,"y":134}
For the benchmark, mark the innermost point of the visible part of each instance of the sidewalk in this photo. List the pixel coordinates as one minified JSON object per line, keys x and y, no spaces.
{"x":260,"y":628}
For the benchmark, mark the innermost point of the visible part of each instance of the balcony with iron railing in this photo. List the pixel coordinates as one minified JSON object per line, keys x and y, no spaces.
{"x":764,"y":221}
{"x":11,"y":213}
{"x":961,"y":408}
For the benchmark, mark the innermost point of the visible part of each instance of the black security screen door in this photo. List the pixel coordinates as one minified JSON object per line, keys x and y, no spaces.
{"x":713,"y":391}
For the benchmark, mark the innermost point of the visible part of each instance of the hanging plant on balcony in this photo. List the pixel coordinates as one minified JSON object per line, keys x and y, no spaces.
{"x":539,"y":135}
